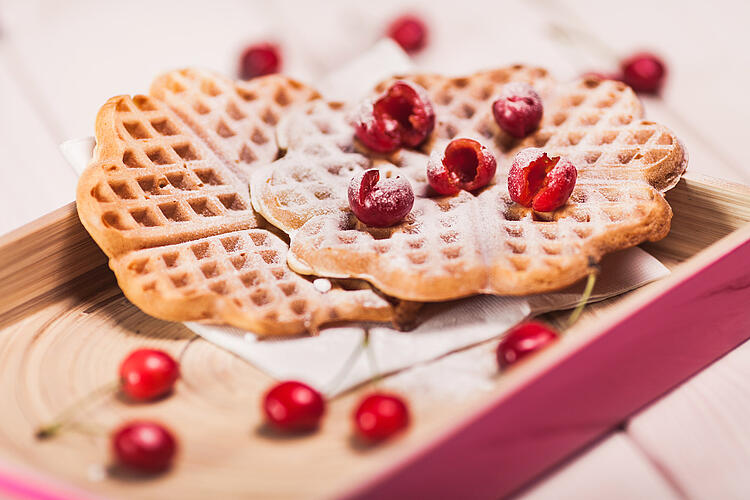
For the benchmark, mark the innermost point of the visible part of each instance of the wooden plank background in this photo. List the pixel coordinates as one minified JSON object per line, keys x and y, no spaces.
{"x":60,"y":61}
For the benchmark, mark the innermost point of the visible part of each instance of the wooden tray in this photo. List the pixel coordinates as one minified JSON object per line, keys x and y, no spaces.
{"x":64,"y":327}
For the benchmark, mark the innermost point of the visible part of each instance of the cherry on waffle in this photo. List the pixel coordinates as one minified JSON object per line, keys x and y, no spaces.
{"x":402,"y":117}
{"x":518,"y":110}
{"x":380,"y":201}
{"x":466,"y":164}
{"x":541,"y":182}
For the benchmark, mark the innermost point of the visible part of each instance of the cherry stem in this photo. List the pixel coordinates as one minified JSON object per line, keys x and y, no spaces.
{"x":67,"y":415}
{"x":345,"y":368}
{"x":584,"y":299}
{"x":376,"y":375}
{"x":88,"y":429}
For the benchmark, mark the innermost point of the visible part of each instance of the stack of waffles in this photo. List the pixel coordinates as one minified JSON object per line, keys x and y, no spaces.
{"x":167,"y":198}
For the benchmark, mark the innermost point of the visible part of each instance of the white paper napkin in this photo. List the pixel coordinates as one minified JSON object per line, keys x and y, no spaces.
{"x":334,"y":360}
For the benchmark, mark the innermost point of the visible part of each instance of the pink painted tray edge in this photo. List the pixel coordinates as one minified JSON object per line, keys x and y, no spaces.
{"x":571,"y":395}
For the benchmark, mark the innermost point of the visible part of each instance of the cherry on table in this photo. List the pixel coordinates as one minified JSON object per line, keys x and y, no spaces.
{"x":144,"y":446}
{"x":380,"y":201}
{"x":541,"y":182}
{"x":466,"y":164}
{"x":260,"y":59}
{"x":379,"y":416}
{"x":402,"y":116}
{"x":410,"y":32}
{"x":523,"y":340}
{"x":644,"y":72}
{"x":292,"y":406}
{"x":518,"y":110}
{"x":147,"y":374}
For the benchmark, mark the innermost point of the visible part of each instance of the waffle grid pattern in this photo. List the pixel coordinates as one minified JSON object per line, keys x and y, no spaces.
{"x":486,"y":243}
{"x":180,"y":230}
{"x":157,"y":184}
{"x":238,"y":119}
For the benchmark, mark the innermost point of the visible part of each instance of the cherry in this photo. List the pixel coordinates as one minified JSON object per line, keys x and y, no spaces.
{"x":147,"y":374}
{"x":518,"y":110}
{"x":410,"y":32}
{"x":524,"y":339}
{"x":259,"y":59}
{"x":403,"y":116}
{"x":144,"y":446}
{"x":465,"y":165}
{"x":644,"y":72}
{"x":535,"y":180}
{"x":380,"y":202}
{"x":292,"y":406}
{"x":379,"y":416}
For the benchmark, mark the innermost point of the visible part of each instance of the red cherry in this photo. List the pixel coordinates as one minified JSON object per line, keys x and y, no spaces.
{"x":465,"y":165}
{"x":644,"y":72}
{"x":144,"y":446}
{"x":148,"y":374}
{"x":380,"y":202}
{"x":380,"y":416}
{"x":260,"y":59}
{"x":518,"y":110}
{"x":292,"y":406}
{"x":540,"y":182}
{"x":523,"y":340}
{"x":410,"y":32}
{"x":403,"y":116}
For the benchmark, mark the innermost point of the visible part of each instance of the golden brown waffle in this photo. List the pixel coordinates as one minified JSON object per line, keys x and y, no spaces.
{"x":451,"y":247}
{"x":166,"y":203}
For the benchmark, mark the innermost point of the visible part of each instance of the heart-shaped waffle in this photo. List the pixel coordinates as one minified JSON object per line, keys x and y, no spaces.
{"x":166,"y":198}
{"x":450,"y":247}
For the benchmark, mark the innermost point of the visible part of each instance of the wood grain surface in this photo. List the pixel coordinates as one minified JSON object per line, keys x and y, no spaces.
{"x":50,"y":90}
{"x":56,"y":352}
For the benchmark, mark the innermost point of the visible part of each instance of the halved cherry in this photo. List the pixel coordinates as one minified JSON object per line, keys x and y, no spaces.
{"x":541,"y":182}
{"x":403,"y":116}
{"x":380,"y":201}
{"x":465,"y":165}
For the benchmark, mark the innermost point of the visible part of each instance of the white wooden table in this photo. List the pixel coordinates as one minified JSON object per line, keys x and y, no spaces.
{"x":60,"y":61}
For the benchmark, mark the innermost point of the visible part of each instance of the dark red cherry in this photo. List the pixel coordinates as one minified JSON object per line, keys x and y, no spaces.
{"x":292,"y":406}
{"x":541,"y":182}
{"x":380,"y":201}
{"x":523,"y":340}
{"x":518,"y":110}
{"x":379,"y":416}
{"x":465,"y":165}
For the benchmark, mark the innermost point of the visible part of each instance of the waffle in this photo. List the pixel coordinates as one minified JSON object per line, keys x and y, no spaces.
{"x":166,"y":198}
{"x":451,"y":247}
